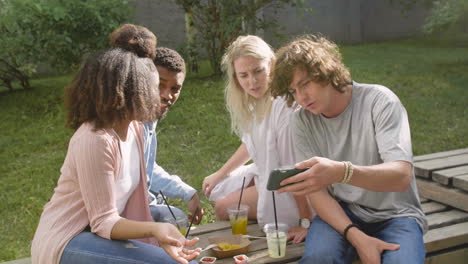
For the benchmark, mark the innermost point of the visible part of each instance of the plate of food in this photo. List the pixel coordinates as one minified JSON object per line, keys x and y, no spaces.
{"x":229,"y":245}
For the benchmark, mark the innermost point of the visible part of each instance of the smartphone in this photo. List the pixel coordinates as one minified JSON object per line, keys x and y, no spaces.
{"x":278,"y":175}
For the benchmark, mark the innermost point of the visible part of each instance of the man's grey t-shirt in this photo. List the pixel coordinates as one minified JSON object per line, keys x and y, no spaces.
{"x":372,"y":130}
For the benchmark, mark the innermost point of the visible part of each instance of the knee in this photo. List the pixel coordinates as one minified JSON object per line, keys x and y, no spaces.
{"x":403,"y":256}
{"x":220,"y":209}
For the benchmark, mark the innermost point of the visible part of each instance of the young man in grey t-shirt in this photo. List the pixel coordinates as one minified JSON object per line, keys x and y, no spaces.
{"x":355,"y":140}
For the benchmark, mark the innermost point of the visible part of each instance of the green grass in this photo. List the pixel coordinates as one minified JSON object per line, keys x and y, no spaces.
{"x":429,"y":75}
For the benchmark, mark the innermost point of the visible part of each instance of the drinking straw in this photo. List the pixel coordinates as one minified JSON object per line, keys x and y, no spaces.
{"x":240,"y":198}
{"x":191,"y":222}
{"x":168,"y":207}
{"x":276,"y":223}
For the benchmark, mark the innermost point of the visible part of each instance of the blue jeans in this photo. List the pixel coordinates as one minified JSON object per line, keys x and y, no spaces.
{"x":325,"y":245}
{"x":160,"y":212}
{"x":87,"y":248}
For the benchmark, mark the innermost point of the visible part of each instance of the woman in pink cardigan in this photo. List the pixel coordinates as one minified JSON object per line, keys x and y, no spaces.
{"x":100,"y":201}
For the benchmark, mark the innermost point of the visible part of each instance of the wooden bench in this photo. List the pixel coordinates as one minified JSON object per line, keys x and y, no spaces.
{"x":446,"y":241}
{"x":442,"y":180}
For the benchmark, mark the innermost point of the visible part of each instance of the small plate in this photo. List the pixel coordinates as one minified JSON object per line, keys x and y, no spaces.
{"x":243,"y":242}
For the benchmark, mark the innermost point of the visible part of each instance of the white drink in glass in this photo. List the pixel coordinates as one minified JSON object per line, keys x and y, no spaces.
{"x":276,"y":244}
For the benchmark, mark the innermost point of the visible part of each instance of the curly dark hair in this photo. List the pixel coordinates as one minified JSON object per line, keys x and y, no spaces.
{"x":114,"y":85}
{"x":315,"y":54}
{"x":137,"y":38}
{"x":170,"y":59}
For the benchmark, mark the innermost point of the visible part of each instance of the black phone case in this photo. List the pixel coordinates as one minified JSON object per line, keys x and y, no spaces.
{"x":278,"y":175}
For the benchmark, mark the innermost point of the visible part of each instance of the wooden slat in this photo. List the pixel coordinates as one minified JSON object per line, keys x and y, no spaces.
{"x":440,"y":154}
{"x":447,"y":218}
{"x":293,"y":253}
{"x":459,"y":256}
{"x":433,"y":207}
{"x":445,"y":176}
{"x":212,"y":227}
{"x":19,"y":261}
{"x":424,"y":168}
{"x":439,"y":193}
{"x":461,"y":182}
{"x":423,"y":200}
{"x":446,"y":237}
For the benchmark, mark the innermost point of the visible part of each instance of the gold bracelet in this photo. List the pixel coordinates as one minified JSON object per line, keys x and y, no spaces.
{"x":351,"y":170}
{"x":346,"y":172}
{"x":349,"y":173}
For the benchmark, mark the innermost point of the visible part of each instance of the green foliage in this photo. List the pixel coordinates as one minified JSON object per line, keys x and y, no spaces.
{"x":429,"y":76}
{"x":447,"y":16}
{"x":218,"y":23}
{"x":55,"y":32}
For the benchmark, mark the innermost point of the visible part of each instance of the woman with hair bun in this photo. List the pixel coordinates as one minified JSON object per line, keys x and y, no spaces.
{"x":99,"y":210}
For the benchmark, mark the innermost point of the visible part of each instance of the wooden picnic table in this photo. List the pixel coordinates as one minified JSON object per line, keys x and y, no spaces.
{"x":446,"y":241}
{"x":442,"y":182}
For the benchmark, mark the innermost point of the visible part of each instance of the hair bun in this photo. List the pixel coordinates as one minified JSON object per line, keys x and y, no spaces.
{"x":136,"y":39}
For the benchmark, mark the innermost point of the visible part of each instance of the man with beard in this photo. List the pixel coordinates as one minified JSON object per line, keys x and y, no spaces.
{"x":171,"y":68}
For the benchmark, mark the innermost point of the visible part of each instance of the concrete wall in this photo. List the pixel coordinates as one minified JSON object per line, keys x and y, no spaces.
{"x":164,"y":18}
{"x":345,"y":21}
{"x":352,"y":21}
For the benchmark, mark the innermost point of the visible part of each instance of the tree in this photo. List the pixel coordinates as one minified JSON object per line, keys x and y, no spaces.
{"x":447,"y":16}
{"x":190,"y":33}
{"x":54,"y":32}
{"x":444,"y":16}
{"x":219,"y":22}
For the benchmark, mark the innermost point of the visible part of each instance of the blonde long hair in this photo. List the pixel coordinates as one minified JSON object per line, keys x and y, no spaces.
{"x":244,"y":108}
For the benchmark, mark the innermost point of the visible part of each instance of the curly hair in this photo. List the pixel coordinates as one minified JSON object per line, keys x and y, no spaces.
{"x":170,"y":59}
{"x":242,"y":107}
{"x":318,"y":56}
{"x":114,"y":85}
{"x":136,"y":38}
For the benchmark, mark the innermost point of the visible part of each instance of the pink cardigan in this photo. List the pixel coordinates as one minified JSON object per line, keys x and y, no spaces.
{"x":85,"y":193}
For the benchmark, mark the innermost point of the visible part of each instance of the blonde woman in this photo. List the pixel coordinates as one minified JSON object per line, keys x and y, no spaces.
{"x":262,"y":123}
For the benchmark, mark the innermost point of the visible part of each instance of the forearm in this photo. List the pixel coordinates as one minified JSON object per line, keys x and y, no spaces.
{"x":129,"y":229}
{"x":239,"y":158}
{"x":386,"y":177}
{"x":329,"y":210}
{"x":171,"y":185}
{"x":303,"y":207}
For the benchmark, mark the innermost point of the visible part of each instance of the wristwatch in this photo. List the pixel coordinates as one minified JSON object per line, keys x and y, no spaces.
{"x":304,"y":222}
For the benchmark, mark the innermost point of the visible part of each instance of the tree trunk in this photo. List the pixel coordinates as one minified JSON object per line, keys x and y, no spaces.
{"x":191,"y":44}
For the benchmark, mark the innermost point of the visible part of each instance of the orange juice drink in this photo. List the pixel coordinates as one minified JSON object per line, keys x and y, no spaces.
{"x":238,"y":217}
{"x":239,"y":225}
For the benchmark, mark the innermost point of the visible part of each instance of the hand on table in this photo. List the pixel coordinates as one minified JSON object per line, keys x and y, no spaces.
{"x":297,"y":234}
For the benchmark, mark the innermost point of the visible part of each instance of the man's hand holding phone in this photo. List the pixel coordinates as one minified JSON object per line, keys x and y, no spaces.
{"x":279,"y":175}
{"x":319,"y":173}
